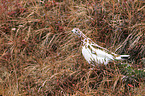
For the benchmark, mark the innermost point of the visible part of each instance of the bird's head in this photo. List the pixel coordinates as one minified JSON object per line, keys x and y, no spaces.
{"x":77,"y":31}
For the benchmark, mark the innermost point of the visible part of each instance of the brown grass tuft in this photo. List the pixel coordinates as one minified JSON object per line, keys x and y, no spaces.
{"x":40,"y":56}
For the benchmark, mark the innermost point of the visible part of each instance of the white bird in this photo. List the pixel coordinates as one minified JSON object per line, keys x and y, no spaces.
{"x":92,"y":52}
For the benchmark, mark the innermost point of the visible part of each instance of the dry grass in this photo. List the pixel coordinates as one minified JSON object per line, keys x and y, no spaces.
{"x":40,"y":56}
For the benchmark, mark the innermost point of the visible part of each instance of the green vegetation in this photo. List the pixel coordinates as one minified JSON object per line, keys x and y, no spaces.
{"x":40,"y":56}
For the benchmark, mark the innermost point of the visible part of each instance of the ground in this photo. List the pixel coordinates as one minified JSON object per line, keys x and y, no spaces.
{"x":40,"y":56}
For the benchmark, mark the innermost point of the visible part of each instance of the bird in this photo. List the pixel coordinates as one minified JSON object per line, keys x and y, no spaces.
{"x":92,"y":52}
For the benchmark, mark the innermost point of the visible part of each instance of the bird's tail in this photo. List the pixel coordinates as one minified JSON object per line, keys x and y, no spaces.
{"x":122,"y":57}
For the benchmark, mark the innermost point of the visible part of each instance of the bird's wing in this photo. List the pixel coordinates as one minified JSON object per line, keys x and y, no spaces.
{"x":101,"y":53}
{"x":96,"y":46}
